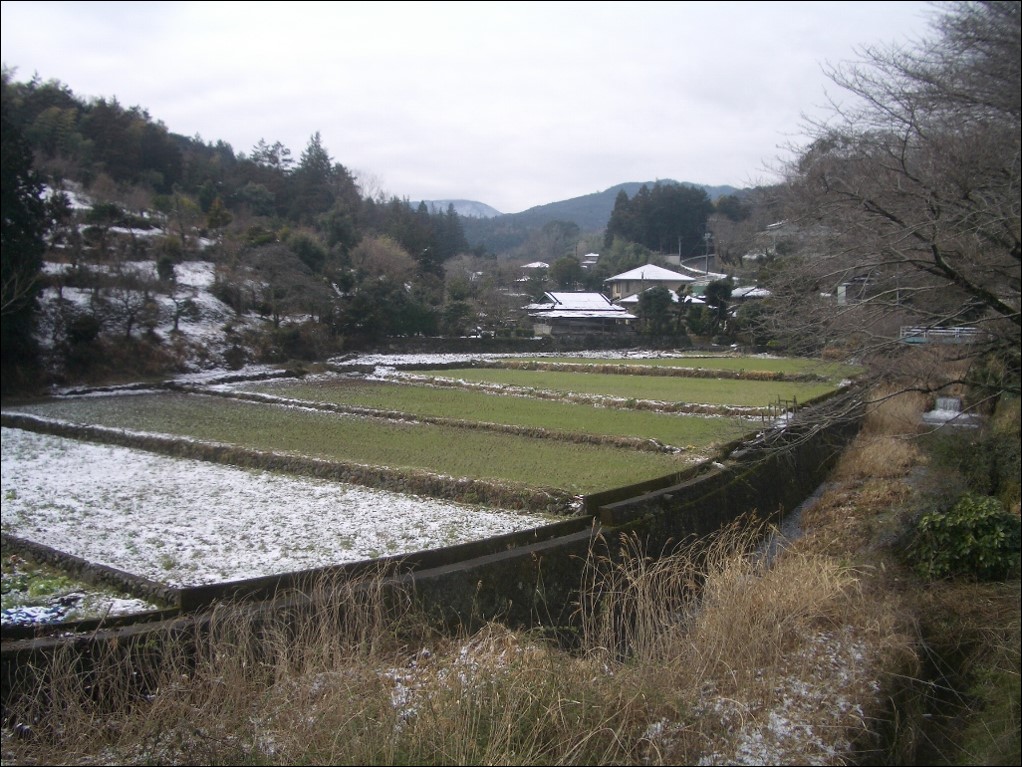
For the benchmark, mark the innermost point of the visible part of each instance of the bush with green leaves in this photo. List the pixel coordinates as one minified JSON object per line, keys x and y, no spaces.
{"x":986,"y":461}
{"x":976,"y":538}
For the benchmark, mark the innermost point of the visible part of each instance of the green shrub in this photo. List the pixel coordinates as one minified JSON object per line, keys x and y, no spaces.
{"x":985,"y":461}
{"x":976,"y":538}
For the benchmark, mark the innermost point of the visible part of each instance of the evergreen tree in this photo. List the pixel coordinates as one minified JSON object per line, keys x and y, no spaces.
{"x":669,"y":218}
{"x":451,"y":234}
{"x":22,"y":246}
{"x":717,"y":295}
{"x":656,"y":311}
{"x":312,"y":192}
{"x":275,"y":156}
{"x":566,"y":273}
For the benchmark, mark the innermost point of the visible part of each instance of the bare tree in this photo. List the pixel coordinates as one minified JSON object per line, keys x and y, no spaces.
{"x":906,"y":200}
{"x":382,"y":256}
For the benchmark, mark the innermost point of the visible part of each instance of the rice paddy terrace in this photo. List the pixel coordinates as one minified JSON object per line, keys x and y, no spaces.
{"x":435,"y":451}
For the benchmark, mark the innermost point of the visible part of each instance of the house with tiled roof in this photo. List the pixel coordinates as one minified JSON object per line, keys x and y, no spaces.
{"x":641,"y":278}
{"x":577,"y":313}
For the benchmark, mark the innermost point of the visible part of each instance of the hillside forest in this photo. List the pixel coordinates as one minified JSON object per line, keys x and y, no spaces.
{"x":893,"y":241}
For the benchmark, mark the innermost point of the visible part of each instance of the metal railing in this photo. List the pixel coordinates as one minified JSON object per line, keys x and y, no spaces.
{"x":924,"y":335}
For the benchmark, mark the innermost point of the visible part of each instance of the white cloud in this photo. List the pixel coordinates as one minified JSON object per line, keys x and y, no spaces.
{"x":512,"y":104}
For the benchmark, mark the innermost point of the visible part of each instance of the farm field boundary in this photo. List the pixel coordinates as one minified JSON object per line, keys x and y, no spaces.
{"x":535,"y":582}
{"x":189,"y":599}
{"x":463,"y":490}
{"x":406,"y":447}
{"x":632,"y":443}
{"x":89,"y":572}
{"x":646,"y":369}
{"x":711,"y":391}
{"x":606,"y":400}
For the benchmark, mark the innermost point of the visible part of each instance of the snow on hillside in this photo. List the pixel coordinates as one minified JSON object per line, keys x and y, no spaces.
{"x":207,"y":326}
{"x":467,"y":208}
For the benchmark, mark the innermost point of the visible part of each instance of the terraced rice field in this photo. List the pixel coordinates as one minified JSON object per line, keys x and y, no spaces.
{"x":787,"y":366}
{"x":563,"y":417}
{"x":560,"y":433}
{"x":665,"y":390}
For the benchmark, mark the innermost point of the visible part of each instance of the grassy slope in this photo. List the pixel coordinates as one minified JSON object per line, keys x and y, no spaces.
{"x":956,"y":691}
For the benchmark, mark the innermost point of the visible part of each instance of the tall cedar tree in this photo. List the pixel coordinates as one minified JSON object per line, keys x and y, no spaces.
{"x":667,"y":219}
{"x":21,"y":252}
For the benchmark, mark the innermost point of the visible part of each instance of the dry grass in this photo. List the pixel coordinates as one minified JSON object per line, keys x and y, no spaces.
{"x":667,"y":650}
{"x":878,"y":457}
{"x":894,"y":411}
{"x":828,"y":652}
{"x":959,"y":701}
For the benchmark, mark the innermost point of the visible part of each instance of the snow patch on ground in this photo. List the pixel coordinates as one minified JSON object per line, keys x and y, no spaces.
{"x":809,"y":716}
{"x":398,"y":360}
{"x":186,"y":522}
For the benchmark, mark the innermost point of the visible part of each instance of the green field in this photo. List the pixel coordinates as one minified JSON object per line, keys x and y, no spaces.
{"x":542,"y":442}
{"x":702,"y":391}
{"x":787,"y":365}
{"x":477,"y":454}
{"x":692,"y":432}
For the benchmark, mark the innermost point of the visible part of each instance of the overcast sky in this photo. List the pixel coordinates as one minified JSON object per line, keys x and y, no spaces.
{"x":513,"y":104}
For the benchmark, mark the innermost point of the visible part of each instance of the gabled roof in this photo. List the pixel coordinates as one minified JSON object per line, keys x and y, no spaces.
{"x":577,"y":305}
{"x":575,"y":302}
{"x":585,"y":301}
{"x":536,"y":265}
{"x":650,"y":272}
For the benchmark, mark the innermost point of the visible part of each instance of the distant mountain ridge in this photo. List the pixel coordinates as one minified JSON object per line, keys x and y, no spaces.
{"x":590,"y":212}
{"x":466,"y":208}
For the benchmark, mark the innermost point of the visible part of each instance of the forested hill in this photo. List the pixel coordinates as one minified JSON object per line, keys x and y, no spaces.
{"x":590,"y":213}
{"x":93,"y":140}
{"x":110,"y":201}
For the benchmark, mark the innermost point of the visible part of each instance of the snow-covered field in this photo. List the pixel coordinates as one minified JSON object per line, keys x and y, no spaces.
{"x":185,"y":522}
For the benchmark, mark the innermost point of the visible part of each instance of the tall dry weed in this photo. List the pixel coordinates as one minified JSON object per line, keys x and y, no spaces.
{"x":679,"y":659}
{"x":895,"y":411}
{"x":878,"y":457}
{"x":725,"y":642}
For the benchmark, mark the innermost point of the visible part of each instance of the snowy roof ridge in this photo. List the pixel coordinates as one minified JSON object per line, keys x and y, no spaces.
{"x":650,"y":272}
